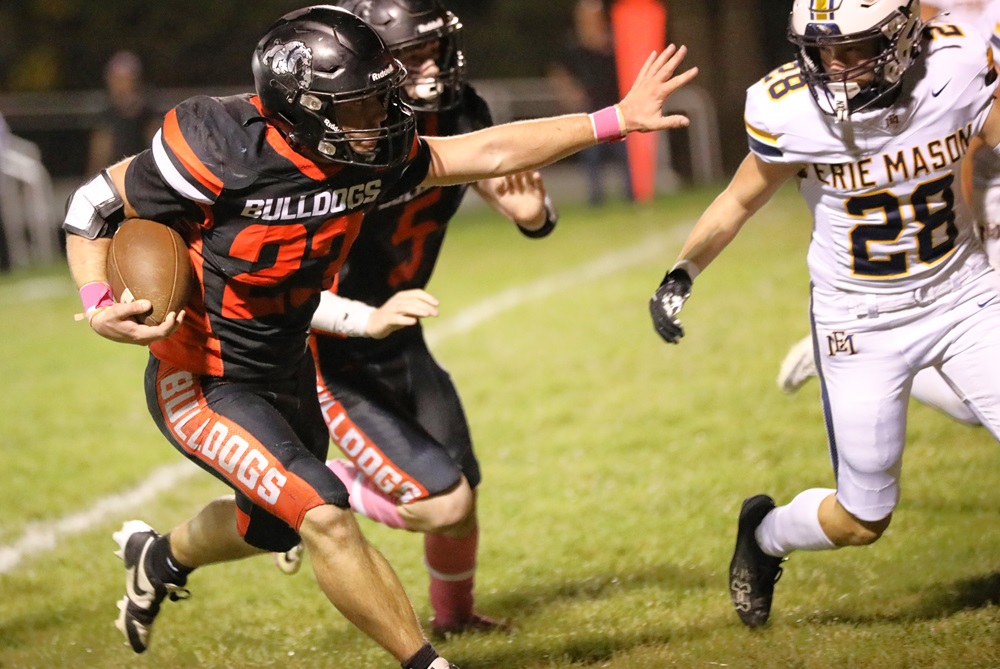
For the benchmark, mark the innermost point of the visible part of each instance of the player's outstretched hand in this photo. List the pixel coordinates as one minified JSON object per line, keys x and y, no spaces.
{"x":119,"y":322}
{"x":642,"y":107}
{"x":520,"y":197}
{"x":666,"y":303}
{"x":401,"y":310}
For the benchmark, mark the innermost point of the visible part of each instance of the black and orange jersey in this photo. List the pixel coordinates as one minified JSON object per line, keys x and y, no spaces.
{"x":267,"y":230}
{"x":400,"y":241}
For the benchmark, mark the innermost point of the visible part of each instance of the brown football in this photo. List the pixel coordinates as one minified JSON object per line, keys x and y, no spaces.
{"x":149,"y":261}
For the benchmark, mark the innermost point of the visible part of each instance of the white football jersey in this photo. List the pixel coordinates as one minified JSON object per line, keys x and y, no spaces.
{"x":959,"y":11}
{"x":986,"y":172}
{"x":883,"y":187}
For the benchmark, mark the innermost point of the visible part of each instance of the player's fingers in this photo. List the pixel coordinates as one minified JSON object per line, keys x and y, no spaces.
{"x":673,"y":122}
{"x":419,"y":293}
{"x":130,"y":309}
{"x":670,"y":65}
{"x":680,"y":80}
{"x":648,"y":66}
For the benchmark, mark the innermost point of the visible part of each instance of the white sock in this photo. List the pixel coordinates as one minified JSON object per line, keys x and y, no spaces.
{"x":795,"y":526}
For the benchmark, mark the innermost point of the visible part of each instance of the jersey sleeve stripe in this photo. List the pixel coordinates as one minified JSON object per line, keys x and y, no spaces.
{"x":760,"y":135}
{"x":172,"y":176}
{"x":763,"y":149}
{"x":763,"y":143}
{"x":174,"y":140}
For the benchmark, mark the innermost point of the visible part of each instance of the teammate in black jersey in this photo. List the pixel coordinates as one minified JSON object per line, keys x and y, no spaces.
{"x":269,"y":191}
{"x":394,"y":412}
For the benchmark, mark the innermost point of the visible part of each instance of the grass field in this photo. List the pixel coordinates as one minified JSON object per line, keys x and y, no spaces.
{"x":614,"y":467}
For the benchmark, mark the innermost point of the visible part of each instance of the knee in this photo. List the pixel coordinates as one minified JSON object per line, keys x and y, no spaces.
{"x":451,"y":511}
{"x":857,"y":532}
{"x":330,"y":522}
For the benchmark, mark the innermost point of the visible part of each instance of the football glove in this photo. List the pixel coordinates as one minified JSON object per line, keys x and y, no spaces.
{"x":666,"y":303}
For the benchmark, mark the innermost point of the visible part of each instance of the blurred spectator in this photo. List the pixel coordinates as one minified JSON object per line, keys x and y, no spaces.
{"x":586,"y":79}
{"x":129,"y":122}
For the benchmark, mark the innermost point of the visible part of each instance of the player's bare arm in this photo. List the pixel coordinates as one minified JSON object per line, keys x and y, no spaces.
{"x":87,"y":260}
{"x":754,"y":183}
{"x":529,"y":145}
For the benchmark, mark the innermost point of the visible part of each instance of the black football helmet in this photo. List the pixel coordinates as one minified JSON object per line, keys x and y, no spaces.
{"x":413,"y":26}
{"x":313,"y":60}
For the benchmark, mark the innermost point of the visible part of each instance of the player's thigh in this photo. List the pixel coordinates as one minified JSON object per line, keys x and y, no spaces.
{"x":385,"y":441}
{"x":972,"y":365}
{"x":241,"y":435}
{"x":439,"y":410}
{"x":865,"y":385}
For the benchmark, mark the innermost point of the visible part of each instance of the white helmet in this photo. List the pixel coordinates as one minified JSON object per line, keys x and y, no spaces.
{"x":896,"y":26}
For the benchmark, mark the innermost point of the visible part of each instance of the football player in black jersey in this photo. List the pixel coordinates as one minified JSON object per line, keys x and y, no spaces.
{"x":269,"y":191}
{"x":391,"y":408}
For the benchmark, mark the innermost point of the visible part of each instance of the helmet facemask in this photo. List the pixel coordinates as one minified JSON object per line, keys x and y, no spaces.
{"x":894,"y":44}
{"x":324,"y":127}
{"x":419,"y":31}
{"x":441,"y":89}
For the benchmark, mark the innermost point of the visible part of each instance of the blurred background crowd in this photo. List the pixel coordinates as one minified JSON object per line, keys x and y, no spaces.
{"x":85,"y":83}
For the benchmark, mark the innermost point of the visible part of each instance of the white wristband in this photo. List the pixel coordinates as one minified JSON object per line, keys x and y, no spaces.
{"x":340,"y":315}
{"x":689,"y":267}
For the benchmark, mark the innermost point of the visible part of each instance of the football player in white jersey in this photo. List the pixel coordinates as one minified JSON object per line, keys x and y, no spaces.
{"x":981,"y":183}
{"x":872,"y":120}
{"x":952,"y":11}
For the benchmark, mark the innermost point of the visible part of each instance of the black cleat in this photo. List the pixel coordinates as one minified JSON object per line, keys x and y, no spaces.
{"x":752,"y":572}
{"x":143,"y":591}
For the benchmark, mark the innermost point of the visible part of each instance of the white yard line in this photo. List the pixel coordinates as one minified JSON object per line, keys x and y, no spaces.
{"x":43,"y":536}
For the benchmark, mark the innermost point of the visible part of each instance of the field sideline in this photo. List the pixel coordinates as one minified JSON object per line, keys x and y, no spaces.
{"x":614,"y":466}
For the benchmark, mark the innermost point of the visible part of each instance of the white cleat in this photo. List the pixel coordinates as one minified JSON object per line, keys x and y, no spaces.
{"x":798,"y":366}
{"x":143,"y":592}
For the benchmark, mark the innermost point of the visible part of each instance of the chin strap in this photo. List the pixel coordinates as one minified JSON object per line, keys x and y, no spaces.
{"x":843,"y":93}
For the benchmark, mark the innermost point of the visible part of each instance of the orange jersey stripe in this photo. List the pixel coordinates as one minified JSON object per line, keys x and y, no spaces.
{"x":281,"y":146}
{"x":174,"y":138}
{"x":193,"y":347}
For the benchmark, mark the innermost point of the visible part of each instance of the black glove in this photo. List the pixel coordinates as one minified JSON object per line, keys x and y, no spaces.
{"x":666,"y":303}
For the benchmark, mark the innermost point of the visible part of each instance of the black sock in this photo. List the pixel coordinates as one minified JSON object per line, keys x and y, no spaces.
{"x":164,"y":565}
{"x":422,"y":658}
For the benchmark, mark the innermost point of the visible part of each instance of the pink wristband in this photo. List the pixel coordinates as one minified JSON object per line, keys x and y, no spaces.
{"x":608,"y":125}
{"x":95,"y":295}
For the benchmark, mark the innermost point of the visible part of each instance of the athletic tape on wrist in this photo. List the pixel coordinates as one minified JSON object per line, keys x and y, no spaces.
{"x":95,"y":296}
{"x":608,"y":124}
{"x":340,"y":315}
